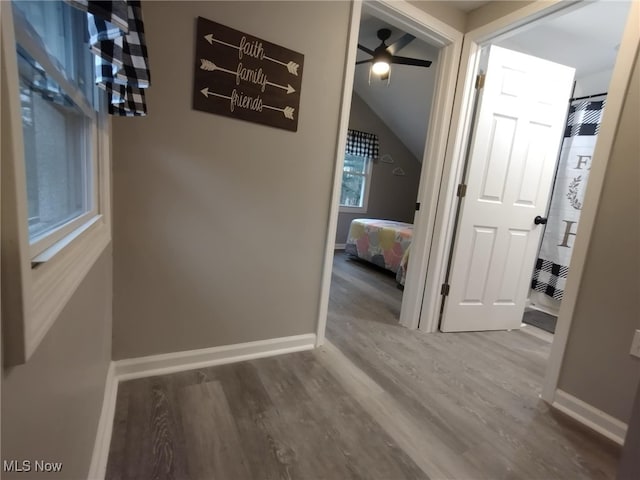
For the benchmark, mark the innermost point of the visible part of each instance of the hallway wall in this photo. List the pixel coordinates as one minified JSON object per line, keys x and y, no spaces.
{"x":51,"y":404}
{"x":220,"y":224}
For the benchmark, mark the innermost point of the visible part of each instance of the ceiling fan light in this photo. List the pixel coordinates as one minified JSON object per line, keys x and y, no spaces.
{"x":380,"y":67}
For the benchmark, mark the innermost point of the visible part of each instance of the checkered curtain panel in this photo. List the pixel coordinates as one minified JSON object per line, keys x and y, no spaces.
{"x":574,"y":165}
{"x":116,"y":37}
{"x":362,"y":144}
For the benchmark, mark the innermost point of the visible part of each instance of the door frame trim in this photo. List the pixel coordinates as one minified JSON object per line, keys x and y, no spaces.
{"x":422,"y":25}
{"x":619,"y":84}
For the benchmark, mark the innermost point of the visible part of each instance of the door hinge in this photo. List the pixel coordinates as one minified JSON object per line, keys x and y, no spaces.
{"x":462,"y":190}
{"x":444,"y":290}
{"x":480,"y":81}
{"x":417,"y":206}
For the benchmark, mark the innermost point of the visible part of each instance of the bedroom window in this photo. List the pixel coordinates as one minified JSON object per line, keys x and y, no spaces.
{"x":356,"y":176}
{"x":361,"y":149}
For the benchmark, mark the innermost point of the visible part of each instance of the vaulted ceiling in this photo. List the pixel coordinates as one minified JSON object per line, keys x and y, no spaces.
{"x":579,"y":38}
{"x":586,"y":39}
{"x":404,"y":104}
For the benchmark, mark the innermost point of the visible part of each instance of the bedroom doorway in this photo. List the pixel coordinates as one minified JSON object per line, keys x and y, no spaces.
{"x":416,"y":182}
{"x":385,"y":148}
{"x":388,"y":123}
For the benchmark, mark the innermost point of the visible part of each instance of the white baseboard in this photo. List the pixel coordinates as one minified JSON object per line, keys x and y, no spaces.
{"x":588,"y":415}
{"x":153,"y":365}
{"x":340,"y":246}
{"x":100,"y":454}
{"x":207,"y":357}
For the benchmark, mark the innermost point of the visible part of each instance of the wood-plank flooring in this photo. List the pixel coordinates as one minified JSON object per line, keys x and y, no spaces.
{"x":476,"y":395}
{"x":283,"y":417}
{"x":377,"y":402}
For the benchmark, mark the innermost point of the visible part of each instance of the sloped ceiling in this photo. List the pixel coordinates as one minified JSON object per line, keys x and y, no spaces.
{"x":405,"y":103}
{"x":585,"y":38}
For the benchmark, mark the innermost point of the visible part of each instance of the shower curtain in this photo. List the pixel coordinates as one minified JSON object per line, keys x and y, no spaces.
{"x":552,"y":265}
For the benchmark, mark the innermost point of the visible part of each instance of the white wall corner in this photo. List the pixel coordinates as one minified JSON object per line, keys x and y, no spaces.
{"x":591,"y":417}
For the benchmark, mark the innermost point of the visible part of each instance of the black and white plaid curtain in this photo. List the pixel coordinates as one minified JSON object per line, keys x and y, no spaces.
{"x":116,"y":38}
{"x":584,"y":118}
{"x":552,"y":266}
{"x":362,"y":144}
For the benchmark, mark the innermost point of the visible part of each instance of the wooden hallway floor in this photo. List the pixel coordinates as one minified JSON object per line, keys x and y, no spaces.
{"x":377,"y":402}
{"x":472,"y":399}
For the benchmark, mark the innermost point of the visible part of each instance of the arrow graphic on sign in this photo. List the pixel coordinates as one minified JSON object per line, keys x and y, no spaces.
{"x":209,"y":66}
{"x":209,"y":38}
{"x":288,"y":88}
{"x":292,"y":66}
{"x":205,"y":91}
{"x":286,"y":111}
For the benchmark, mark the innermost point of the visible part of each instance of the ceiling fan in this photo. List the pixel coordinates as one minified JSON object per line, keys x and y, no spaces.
{"x":384,"y":55}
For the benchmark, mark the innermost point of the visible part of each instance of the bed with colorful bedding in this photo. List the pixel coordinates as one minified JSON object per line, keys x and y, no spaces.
{"x":384,"y":243}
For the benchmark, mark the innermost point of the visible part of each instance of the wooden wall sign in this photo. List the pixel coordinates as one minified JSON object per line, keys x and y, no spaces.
{"x":245,"y":77}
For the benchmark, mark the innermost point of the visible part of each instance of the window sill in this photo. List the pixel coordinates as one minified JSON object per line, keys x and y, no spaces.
{"x":57,"y":247}
{"x":343,"y":209}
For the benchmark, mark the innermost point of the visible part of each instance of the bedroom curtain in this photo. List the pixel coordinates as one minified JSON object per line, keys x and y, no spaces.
{"x":552,"y":265}
{"x":362,"y":144}
{"x":116,"y":38}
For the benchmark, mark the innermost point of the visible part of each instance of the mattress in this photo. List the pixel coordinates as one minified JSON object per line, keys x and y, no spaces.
{"x":384,"y":243}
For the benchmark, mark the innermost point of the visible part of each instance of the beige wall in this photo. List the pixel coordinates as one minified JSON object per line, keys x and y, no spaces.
{"x":51,"y":404}
{"x":492,"y":11}
{"x":597,"y":367}
{"x":219,"y":224}
{"x":391,"y":197}
{"x":443,"y":12}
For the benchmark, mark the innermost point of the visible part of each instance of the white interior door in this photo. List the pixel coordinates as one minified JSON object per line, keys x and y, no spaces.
{"x":514,"y":149}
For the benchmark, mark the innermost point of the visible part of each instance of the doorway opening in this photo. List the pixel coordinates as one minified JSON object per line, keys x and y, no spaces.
{"x":501,"y":31}
{"x":392,"y":181}
{"x":591,"y":48}
{"x":539,"y":109}
{"x":386,"y":143}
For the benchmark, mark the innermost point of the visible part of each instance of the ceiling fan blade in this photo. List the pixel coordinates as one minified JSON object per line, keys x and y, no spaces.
{"x":365,"y":49}
{"x":399,"y":44}
{"x":364,"y":61}
{"x":416,"y":62}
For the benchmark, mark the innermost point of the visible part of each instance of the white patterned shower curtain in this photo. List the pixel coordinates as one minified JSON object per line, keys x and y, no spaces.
{"x":574,"y":165}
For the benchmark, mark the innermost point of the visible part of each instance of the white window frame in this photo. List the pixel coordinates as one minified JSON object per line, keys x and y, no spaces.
{"x":38,"y":280}
{"x":367,"y":187}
